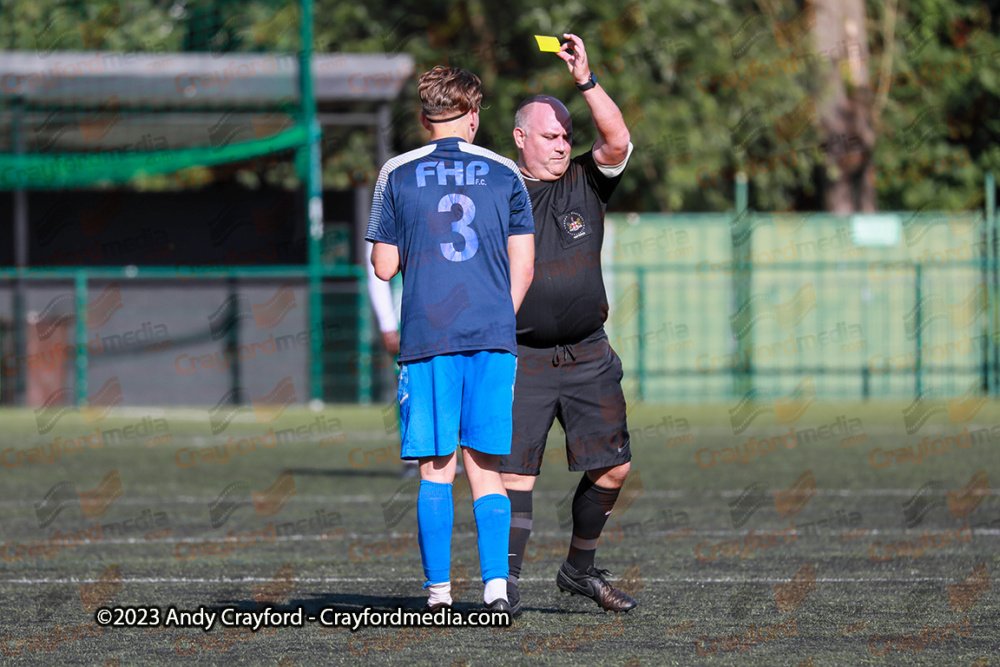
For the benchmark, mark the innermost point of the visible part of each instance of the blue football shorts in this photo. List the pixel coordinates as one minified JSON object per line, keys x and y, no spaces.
{"x":456,"y":398}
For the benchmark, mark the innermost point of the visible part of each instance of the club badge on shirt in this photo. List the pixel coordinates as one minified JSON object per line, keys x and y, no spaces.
{"x":574,"y":225}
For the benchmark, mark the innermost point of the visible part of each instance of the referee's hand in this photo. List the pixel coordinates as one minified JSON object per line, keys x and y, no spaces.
{"x":575,"y":55}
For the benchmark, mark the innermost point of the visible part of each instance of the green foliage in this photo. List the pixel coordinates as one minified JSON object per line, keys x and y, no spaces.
{"x":707,"y":89}
{"x":686,"y":74}
{"x":74,"y":25}
{"x":939,"y":130}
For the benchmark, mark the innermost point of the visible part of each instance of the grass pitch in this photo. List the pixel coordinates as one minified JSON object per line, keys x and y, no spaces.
{"x":828,"y":534}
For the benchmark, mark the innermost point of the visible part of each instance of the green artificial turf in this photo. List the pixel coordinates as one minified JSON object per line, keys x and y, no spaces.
{"x":322,"y":519}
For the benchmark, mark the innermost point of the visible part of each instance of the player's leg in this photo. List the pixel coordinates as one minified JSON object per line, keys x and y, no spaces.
{"x":429,"y":407}
{"x":411,"y":467}
{"x":435,"y":521}
{"x":593,"y":412}
{"x":486,"y":435}
{"x":491,"y":509}
{"x":536,"y":394}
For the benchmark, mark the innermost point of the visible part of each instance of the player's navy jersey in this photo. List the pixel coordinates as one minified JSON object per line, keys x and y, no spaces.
{"x":566,"y":301}
{"x":449,"y":208}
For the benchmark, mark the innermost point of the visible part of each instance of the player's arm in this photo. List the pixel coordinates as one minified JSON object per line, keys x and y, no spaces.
{"x":385,"y":259}
{"x":382,"y":228}
{"x":521,"y":251}
{"x":611,"y":147}
{"x":521,"y":240}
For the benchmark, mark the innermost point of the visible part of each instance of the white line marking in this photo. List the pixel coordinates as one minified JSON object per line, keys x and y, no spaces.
{"x":202,"y":539}
{"x":365,"y":580}
{"x":369,"y":498}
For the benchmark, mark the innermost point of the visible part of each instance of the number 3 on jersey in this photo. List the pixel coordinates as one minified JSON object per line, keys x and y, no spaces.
{"x":461,"y":226}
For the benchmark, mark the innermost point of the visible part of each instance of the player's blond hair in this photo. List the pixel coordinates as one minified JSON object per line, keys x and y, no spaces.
{"x":445,"y":91}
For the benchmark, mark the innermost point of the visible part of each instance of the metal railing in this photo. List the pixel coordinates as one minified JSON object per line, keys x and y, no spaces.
{"x":703,"y":307}
{"x":227,"y":285}
{"x":722,"y":305}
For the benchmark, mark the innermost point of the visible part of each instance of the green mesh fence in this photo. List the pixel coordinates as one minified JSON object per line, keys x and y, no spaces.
{"x":153,"y":95}
{"x":712,"y":305}
{"x":99,"y":93}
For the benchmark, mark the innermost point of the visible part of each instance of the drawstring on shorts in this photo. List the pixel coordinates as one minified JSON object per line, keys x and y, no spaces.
{"x":567,"y":355}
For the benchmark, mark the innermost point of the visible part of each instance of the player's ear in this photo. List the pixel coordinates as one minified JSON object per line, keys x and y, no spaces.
{"x":424,"y":121}
{"x":473,"y":123}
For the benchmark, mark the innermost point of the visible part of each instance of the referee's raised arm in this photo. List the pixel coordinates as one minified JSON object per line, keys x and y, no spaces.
{"x":611,"y":147}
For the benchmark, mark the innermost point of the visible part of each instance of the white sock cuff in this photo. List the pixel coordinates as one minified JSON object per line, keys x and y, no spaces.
{"x":439,"y":593}
{"x":495,"y":589}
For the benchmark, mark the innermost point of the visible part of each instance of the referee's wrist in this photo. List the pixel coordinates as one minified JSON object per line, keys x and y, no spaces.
{"x":588,"y":84}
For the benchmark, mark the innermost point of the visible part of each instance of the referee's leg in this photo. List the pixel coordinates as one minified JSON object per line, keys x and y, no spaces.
{"x":594,"y":417}
{"x":536,"y":394}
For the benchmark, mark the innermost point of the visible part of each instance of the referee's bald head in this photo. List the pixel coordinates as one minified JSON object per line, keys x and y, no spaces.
{"x":522,"y":118}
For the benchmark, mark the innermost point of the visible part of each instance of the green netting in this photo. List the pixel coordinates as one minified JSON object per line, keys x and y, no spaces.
{"x":708,"y":305}
{"x":72,"y":170}
{"x":101,"y":93}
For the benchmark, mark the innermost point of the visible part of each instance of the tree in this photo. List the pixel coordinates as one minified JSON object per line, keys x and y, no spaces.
{"x":834,"y":105}
{"x":846,"y":107}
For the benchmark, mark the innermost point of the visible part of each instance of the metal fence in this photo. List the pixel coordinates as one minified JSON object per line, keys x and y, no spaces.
{"x":703,"y":307}
{"x":159,"y":335}
{"x":767,"y":304}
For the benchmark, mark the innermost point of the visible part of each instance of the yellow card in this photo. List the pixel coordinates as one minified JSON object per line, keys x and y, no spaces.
{"x":549,"y":44}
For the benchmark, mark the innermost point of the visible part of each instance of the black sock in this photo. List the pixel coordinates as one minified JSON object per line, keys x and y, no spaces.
{"x":591,"y":506}
{"x":520,"y":531}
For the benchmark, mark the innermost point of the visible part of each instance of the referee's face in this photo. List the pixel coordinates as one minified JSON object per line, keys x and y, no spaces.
{"x":544,"y":143}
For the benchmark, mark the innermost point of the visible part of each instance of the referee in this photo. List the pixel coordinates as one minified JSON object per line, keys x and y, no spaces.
{"x":566,"y":369}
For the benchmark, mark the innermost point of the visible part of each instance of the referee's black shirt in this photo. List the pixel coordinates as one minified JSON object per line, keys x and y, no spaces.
{"x":566,"y":301}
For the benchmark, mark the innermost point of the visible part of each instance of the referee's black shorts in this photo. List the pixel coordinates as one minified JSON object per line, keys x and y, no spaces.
{"x":580,"y":385}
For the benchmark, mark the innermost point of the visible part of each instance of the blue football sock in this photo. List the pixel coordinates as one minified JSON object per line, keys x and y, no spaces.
{"x":493,"y":524}
{"x":435,"y":517}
